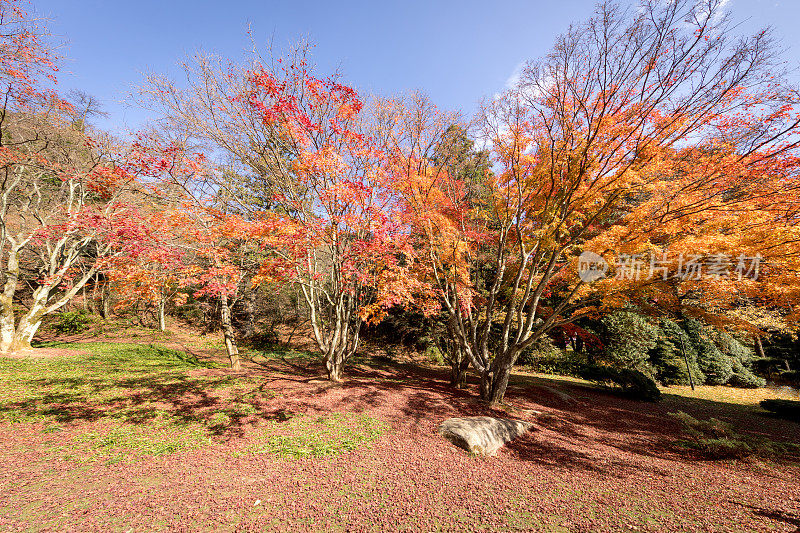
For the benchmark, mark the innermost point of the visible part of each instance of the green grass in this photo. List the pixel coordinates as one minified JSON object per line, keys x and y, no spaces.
{"x":136,"y":400}
{"x":306,"y":436}
{"x":142,"y":400}
{"x":274,"y":352}
{"x":118,"y":381}
{"x":130,"y":442}
{"x":278,"y":352}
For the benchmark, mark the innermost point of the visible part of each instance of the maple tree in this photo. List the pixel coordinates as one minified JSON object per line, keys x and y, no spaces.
{"x":305,"y":172}
{"x":195,"y":242}
{"x":641,"y":131}
{"x":339,"y":240}
{"x":62,"y":206}
{"x":227,"y":246}
{"x":155,"y":273}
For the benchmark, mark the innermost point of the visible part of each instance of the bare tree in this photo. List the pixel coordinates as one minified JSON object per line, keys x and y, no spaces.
{"x":85,"y":107}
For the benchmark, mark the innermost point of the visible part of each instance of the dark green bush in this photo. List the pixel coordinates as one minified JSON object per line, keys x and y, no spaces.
{"x":434,"y":355}
{"x":741,"y":358}
{"x":72,"y":322}
{"x":560,"y":364}
{"x":713,"y":438}
{"x":628,"y":337}
{"x":672,"y":351}
{"x":784,"y":347}
{"x":790,"y":375}
{"x":716,"y":366}
{"x":788,"y":409}
{"x":743,"y":377}
{"x":768,"y":365}
{"x":732,"y":347}
{"x":265,"y":339}
{"x":542,"y":352}
{"x":633,"y":383}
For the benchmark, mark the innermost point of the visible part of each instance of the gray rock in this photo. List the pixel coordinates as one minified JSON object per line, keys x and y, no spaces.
{"x":482,"y":435}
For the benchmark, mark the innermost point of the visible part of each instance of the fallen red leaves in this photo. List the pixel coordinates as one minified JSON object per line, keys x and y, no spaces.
{"x":591,"y":464}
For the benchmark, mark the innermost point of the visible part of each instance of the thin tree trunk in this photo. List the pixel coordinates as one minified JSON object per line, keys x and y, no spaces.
{"x":162,"y":314}
{"x":336,"y":353}
{"x":494,"y":380}
{"x":249,"y":303}
{"x":95,"y":302}
{"x":458,"y":372}
{"x":105,"y":303}
{"x":7,"y":325}
{"x":229,"y":334}
{"x":341,"y":346}
{"x":759,"y":348}
{"x":7,"y":319}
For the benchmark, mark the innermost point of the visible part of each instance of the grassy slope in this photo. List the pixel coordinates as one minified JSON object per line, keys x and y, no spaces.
{"x":147,"y":400}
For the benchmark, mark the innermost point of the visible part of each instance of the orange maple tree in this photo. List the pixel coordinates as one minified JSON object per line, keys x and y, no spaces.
{"x":302,"y":165}
{"x":336,"y":235}
{"x":641,"y":132}
{"x":154,"y":274}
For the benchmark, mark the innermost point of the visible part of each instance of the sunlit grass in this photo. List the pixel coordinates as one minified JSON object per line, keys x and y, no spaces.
{"x":138,"y":400}
{"x":309,"y":436}
{"x":721,"y":393}
{"x":129,"y":442}
{"x":132,"y":401}
{"x":100,"y":384}
{"x":749,"y":398}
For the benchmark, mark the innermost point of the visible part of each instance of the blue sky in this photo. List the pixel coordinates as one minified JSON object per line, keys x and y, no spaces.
{"x":456,"y":51}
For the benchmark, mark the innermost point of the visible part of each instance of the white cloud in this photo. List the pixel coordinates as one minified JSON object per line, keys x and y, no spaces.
{"x":513,"y":79}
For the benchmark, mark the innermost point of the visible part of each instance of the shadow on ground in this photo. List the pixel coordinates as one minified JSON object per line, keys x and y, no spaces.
{"x":577,"y":425}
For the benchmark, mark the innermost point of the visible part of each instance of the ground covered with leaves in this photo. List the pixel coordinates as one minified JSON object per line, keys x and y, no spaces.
{"x":143,"y":437}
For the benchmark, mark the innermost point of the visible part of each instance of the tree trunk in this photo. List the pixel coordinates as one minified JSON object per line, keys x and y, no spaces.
{"x":20,"y":338}
{"x":7,"y":319}
{"x":105,"y":301}
{"x":229,"y":334}
{"x":162,"y":314}
{"x":95,"y":301}
{"x":249,"y":303}
{"x":454,"y":352}
{"x":494,"y":383}
{"x":333,"y":365}
{"x":459,"y":362}
{"x":87,"y":305}
{"x":26,"y":329}
{"x":759,"y":348}
{"x":7,"y":325}
{"x":458,"y":372}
